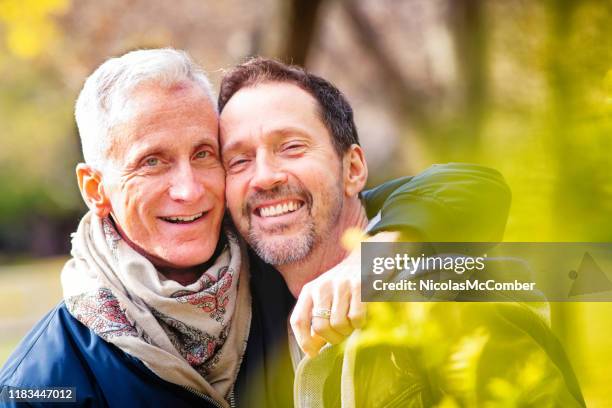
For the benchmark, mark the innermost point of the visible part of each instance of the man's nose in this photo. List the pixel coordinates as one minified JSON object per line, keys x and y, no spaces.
{"x":267,"y":174}
{"x":185,"y":185}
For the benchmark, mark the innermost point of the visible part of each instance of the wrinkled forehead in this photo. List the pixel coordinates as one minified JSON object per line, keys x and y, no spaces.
{"x":269,"y":107}
{"x":175,"y":111}
{"x":151,"y":98}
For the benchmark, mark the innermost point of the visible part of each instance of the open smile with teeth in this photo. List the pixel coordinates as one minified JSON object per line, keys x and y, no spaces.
{"x":279,"y":209}
{"x":183,"y":219}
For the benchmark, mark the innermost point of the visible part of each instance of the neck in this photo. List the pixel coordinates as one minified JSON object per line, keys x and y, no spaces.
{"x":187,"y":276}
{"x":184,"y":276}
{"x":327,"y":253}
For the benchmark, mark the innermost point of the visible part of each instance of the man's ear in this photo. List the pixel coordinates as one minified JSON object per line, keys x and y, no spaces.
{"x":355,"y":171}
{"x":92,"y":190}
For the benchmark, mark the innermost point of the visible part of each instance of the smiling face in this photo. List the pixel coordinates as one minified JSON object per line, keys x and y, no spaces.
{"x":284,"y":184}
{"x":164,"y":179}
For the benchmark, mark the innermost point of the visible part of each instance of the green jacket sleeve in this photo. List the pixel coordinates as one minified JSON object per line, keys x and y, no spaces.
{"x":446,"y":202}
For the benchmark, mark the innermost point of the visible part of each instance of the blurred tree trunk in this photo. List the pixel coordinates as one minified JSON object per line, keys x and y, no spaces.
{"x":467,"y":20}
{"x":562,"y":96}
{"x":409,"y":104}
{"x":416,"y":110}
{"x":407,"y":99}
{"x":300,"y":30}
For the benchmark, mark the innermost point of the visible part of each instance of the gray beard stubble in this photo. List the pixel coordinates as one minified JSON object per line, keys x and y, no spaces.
{"x":287,"y":251}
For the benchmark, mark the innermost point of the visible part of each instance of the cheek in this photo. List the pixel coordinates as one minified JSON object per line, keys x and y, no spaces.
{"x":235,"y":193}
{"x":325,"y":187}
{"x":141,"y":198}
{"x":215,"y":184}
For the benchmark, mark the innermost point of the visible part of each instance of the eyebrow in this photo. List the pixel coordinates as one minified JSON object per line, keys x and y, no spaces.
{"x":237,"y":145}
{"x":292,"y":130}
{"x":138,"y":155}
{"x":207,"y":140}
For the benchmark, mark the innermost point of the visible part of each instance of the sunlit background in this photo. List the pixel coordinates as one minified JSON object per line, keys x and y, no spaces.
{"x":521,"y":86}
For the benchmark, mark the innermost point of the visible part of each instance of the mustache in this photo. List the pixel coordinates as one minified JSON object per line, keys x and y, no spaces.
{"x":279,"y":192}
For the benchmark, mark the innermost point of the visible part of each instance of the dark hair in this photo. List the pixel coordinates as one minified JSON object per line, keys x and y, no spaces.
{"x":334,"y":109}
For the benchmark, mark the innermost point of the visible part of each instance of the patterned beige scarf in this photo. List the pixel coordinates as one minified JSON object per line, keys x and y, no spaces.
{"x":193,"y":335}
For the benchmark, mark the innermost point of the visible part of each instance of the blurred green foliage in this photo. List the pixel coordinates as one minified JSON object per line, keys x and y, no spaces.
{"x":461,"y":355}
{"x":39,"y":145}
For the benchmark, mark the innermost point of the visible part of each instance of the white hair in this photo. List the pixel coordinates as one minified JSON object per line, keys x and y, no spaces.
{"x":101,"y":103}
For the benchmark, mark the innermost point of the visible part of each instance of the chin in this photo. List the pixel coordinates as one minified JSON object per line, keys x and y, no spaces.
{"x":283,"y":249}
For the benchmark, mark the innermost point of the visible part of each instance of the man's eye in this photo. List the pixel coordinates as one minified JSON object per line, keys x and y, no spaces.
{"x":237,"y":163}
{"x":151,"y":161}
{"x":292,"y":147}
{"x":203,"y":154}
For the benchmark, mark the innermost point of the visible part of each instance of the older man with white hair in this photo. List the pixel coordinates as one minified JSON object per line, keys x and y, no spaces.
{"x":157,"y":307}
{"x":151,"y":294}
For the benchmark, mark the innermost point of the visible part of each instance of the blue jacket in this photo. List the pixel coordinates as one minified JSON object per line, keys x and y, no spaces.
{"x":61,"y":352}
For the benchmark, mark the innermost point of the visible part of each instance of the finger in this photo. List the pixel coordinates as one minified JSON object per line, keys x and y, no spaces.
{"x":322,"y":299}
{"x":339,"y":320}
{"x":357,"y":309}
{"x":317,"y":342}
{"x":300,"y":320}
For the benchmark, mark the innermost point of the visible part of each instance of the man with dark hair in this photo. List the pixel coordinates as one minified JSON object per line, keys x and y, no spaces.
{"x":294,"y":174}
